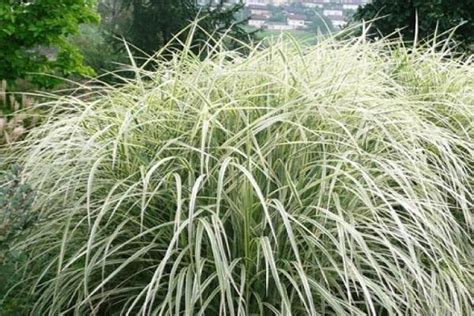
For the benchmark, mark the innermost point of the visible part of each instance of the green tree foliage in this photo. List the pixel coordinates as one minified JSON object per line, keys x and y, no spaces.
{"x":116,"y":15}
{"x":33,"y":38}
{"x":439,"y":15}
{"x":156,"y":22}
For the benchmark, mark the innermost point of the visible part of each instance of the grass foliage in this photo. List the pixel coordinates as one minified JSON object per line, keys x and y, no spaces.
{"x":331,"y":179}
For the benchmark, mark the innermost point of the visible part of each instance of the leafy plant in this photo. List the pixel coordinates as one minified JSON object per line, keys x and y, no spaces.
{"x":331,"y":179}
{"x":421,"y":18}
{"x":33,"y":39}
{"x":16,"y":199}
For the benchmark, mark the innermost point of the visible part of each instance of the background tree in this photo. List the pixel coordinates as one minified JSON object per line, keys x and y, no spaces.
{"x":101,"y":50}
{"x":442,"y":15}
{"x":33,"y":38}
{"x":101,"y":44}
{"x":116,"y":15}
{"x":156,"y":22}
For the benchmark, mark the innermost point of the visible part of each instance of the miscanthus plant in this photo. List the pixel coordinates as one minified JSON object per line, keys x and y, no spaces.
{"x":327,"y":180}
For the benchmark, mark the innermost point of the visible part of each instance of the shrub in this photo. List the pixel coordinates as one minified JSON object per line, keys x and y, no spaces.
{"x":333,"y":179}
{"x":16,"y":199}
{"x":421,"y":20}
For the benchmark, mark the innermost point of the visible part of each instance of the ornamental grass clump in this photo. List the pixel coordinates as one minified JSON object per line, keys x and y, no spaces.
{"x":332,"y":179}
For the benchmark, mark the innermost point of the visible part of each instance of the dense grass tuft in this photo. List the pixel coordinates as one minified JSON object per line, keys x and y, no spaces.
{"x":331,"y":179}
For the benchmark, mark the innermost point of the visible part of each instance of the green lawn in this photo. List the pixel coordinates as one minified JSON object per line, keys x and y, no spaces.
{"x":302,"y":36}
